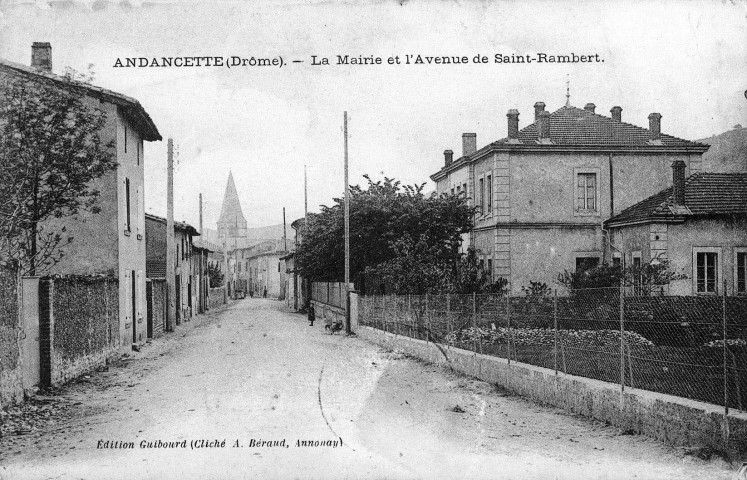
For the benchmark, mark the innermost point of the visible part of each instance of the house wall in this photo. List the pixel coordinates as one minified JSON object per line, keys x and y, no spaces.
{"x":676,"y":242}
{"x":682,"y":238}
{"x":95,"y":236}
{"x":539,"y":255}
{"x":130,"y":157}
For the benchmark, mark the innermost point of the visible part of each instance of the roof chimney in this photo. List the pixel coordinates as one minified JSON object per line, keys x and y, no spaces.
{"x":469,"y":144}
{"x":654,"y":124}
{"x":41,"y":56}
{"x":513,"y":124}
{"x":589,"y":107}
{"x":616,"y":113}
{"x":678,"y":182}
{"x":543,"y":129}
{"x":448,"y":157}
{"x":539,"y":107}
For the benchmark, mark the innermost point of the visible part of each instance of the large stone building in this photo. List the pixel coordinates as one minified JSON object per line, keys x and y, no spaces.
{"x":111,"y":242}
{"x":543,"y":191}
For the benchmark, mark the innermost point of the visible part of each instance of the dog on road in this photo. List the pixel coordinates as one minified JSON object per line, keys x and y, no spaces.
{"x":333,"y":327}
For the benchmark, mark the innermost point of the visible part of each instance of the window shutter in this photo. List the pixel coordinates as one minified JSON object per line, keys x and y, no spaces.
{"x":139,"y":299}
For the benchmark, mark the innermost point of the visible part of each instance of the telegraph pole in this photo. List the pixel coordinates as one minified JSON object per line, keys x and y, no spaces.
{"x":304,"y":236}
{"x":347,"y":230}
{"x":285,"y":234}
{"x":170,"y":253}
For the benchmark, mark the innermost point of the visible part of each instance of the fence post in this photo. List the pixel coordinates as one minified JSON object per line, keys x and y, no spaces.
{"x":427,"y":320}
{"x":726,"y":372}
{"x":555,"y":326}
{"x":474,"y":323}
{"x":622,"y":341}
{"x":508,"y":327}
{"x":448,"y":314}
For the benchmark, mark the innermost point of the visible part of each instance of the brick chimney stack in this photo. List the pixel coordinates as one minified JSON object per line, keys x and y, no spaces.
{"x":469,"y":144}
{"x":654,"y":124}
{"x":513,"y":124}
{"x":543,"y":129}
{"x":41,"y":56}
{"x":678,"y":182}
{"x":616,"y":113}
{"x":448,"y":157}
{"x":539,"y":107}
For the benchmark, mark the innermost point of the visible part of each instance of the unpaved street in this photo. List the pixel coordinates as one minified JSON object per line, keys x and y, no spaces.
{"x":254,"y":372}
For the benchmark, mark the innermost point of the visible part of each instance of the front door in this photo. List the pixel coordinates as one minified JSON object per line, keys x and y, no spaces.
{"x":30,"y":313}
{"x":149,"y":307}
{"x":178,"y":285}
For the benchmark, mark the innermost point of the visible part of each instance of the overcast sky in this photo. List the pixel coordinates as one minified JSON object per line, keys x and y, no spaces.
{"x":682,"y":59}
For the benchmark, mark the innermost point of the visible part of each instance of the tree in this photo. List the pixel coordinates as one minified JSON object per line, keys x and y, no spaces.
{"x":51,"y":150}
{"x":388,"y":222}
{"x":215,"y":276}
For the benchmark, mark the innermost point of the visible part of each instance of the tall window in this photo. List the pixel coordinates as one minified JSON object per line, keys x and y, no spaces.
{"x":490,"y":269}
{"x":125,"y":138}
{"x":586,"y":191}
{"x":741,"y":272}
{"x":490,"y":193}
{"x":482,"y":195}
{"x":706,"y":272}
{"x":127,"y":201}
{"x":464,"y":188}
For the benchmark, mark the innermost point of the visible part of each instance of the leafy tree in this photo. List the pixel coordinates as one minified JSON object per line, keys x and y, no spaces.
{"x":51,"y":149}
{"x":389,"y":222}
{"x":215,"y":276}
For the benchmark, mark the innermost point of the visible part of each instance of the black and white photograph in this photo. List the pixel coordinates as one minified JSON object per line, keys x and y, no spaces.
{"x":388,"y":239}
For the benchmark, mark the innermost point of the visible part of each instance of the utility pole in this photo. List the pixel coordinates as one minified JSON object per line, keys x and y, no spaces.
{"x":170,"y":253}
{"x":304,"y":236}
{"x":200,"y":214}
{"x":285,"y":234}
{"x":347,"y":231}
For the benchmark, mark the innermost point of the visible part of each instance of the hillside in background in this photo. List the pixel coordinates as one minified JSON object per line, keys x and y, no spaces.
{"x":728,"y":152}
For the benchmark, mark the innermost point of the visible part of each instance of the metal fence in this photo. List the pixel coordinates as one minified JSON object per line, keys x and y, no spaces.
{"x":693,"y":347}
{"x":331,"y":293}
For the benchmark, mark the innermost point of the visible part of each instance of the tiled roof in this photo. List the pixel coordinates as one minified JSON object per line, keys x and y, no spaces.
{"x":575,"y":126}
{"x":177,"y":225}
{"x":131,"y":108}
{"x":705,"y":194}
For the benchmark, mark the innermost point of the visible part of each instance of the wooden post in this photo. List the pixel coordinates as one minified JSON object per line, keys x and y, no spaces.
{"x":170,"y":253}
{"x":347,"y":231}
{"x":726,"y":370}
{"x":555,"y":326}
{"x":622,"y":341}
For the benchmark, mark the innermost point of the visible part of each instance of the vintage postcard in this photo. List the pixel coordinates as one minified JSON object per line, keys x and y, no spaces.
{"x":373,"y":240}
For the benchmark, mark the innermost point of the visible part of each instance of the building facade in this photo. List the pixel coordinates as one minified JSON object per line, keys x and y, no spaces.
{"x":188,"y":264}
{"x":543,"y":191}
{"x":698,"y":224}
{"x":112,"y":241}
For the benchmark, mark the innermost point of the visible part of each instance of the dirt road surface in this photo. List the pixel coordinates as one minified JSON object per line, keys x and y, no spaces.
{"x":253,"y":372}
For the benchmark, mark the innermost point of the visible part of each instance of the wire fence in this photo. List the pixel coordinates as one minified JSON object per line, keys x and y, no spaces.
{"x":693,"y":347}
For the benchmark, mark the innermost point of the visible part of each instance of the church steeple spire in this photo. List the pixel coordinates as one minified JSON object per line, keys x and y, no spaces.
{"x":231,"y":222}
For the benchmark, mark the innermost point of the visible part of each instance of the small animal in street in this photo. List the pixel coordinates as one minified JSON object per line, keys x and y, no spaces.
{"x":333,"y":327}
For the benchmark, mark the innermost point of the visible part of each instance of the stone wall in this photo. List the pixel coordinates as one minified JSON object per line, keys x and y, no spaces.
{"x":11,"y":382}
{"x":672,"y":420}
{"x":82,"y":325}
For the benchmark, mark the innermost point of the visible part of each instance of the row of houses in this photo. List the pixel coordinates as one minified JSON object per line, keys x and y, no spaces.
{"x":575,"y":189}
{"x":120,"y":243}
